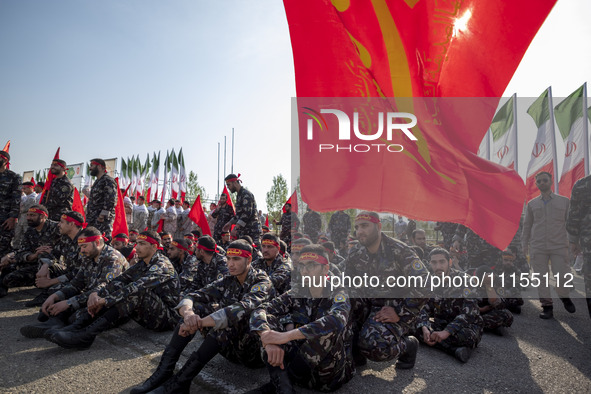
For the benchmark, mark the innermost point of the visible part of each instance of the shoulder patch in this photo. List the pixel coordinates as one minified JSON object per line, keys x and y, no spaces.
{"x":339,"y":298}
{"x":417,"y":266}
{"x":220,"y":276}
{"x":255,"y":289}
{"x":501,"y":291}
{"x":467,"y":292}
{"x":154,"y":268}
{"x":110,"y":275}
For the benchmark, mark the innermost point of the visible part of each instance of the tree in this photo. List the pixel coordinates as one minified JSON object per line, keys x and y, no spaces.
{"x":276,"y":197}
{"x":194,"y":189}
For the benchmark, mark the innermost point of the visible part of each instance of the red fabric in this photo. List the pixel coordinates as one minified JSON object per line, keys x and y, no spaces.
{"x":530,"y":183}
{"x":293,"y":200}
{"x":160,"y":225}
{"x":567,"y":181}
{"x":6,"y":149}
{"x":33,"y":181}
{"x":410,"y":49}
{"x":78,"y":207}
{"x":197,"y":215}
{"x":126,"y":190}
{"x":267,"y":220}
{"x":183,"y":194}
{"x":120,"y":222}
{"x":229,"y":200}
{"x":50,"y":176}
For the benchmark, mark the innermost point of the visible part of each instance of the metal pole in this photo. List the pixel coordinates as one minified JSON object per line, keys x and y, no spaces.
{"x":225,"y":157}
{"x":232,"y":151}
{"x":218,"y":169}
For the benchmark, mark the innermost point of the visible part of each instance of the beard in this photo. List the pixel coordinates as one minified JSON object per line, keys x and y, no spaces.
{"x":94,"y":171}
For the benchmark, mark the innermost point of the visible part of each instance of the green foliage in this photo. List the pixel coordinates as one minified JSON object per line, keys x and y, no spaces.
{"x":276,"y":197}
{"x":194,"y":189}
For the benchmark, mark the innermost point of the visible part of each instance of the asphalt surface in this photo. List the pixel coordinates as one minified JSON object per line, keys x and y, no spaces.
{"x":550,"y":356}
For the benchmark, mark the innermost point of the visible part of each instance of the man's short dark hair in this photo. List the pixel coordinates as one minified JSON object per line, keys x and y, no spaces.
{"x":197,"y":233}
{"x":76,"y":216}
{"x":282,"y":247}
{"x":163,"y":233}
{"x":89,"y":232}
{"x":329,"y":246}
{"x":230,"y":176}
{"x":171,"y":201}
{"x":439,"y":251}
{"x":315,"y":248}
{"x":271,"y":236}
{"x":543,"y":173}
{"x":182,"y":242}
{"x":207,"y":242}
{"x":152,"y":234}
{"x":240,"y":244}
{"x":247,"y":238}
{"x":41,"y":208}
{"x":28,"y":184}
{"x":121,"y":235}
{"x":5,"y":154}
{"x":40,"y":184}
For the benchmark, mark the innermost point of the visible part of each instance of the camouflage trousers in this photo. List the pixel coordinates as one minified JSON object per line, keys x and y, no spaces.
{"x":5,"y":241}
{"x":513,"y":302}
{"x":19,"y":275}
{"x":376,"y":341}
{"x":323,"y":364}
{"x":497,"y":318}
{"x":468,"y":336}
{"x":149,"y":311}
{"x":237,"y":343}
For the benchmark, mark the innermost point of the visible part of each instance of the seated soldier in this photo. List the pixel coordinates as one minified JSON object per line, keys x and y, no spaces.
{"x":99,"y":265}
{"x":146,"y":293}
{"x":457,"y":325}
{"x":236,"y":296}
{"x":509,"y":267}
{"x":120,"y":241}
{"x":278,"y":269}
{"x":315,"y":350}
{"x":225,"y":240}
{"x":334,"y":257}
{"x":491,"y":304}
{"x":211,"y":265}
{"x":184,"y":262}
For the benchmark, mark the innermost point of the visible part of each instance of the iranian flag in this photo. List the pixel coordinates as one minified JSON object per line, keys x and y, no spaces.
{"x":174,"y":176}
{"x":131,"y":175}
{"x":484,"y":148}
{"x":165,"y":183}
{"x":504,"y":132}
{"x":139,"y":178}
{"x":543,"y":154}
{"x":124,"y":181}
{"x":153,"y":186}
{"x":182,"y":176}
{"x":571,"y":118}
{"x":145,"y":172}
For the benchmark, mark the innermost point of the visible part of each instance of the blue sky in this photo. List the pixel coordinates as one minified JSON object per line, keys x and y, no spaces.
{"x":121,"y":78}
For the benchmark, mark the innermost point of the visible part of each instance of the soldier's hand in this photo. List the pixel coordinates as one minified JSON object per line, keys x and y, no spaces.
{"x":48,"y":303}
{"x":273,"y":337}
{"x":43,"y":271}
{"x":95,"y":304}
{"x":184,"y":331}
{"x":58,"y":307}
{"x":43,"y":249}
{"x":192,"y":321}
{"x":43,"y":282}
{"x":427,"y":336}
{"x":387,"y":315}
{"x":275,"y":355}
{"x":9,"y":224}
{"x":439,"y":336}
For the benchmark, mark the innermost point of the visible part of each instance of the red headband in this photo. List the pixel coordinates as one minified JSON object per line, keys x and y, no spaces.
{"x":238,"y":252}
{"x":369,"y":218}
{"x":181,"y":247}
{"x":37,"y":210}
{"x":96,"y":163}
{"x":311,"y":256}
{"x":5,"y":157}
{"x":191,"y":237}
{"x":207,"y":249}
{"x":71,"y":220}
{"x":269,"y":242}
{"x":120,"y":239}
{"x":147,"y":238}
{"x":234,"y":179}
{"x":92,"y":238}
{"x":297,"y":247}
{"x":59,"y":164}
{"x":130,"y":255}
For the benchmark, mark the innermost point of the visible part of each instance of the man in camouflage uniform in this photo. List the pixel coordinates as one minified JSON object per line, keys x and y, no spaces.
{"x":382,"y":324}
{"x":246,"y":219}
{"x":286,"y":218}
{"x":278,"y":269}
{"x":448,"y":230}
{"x":223,"y":213}
{"x":10,"y":200}
{"x":457,"y":326}
{"x":183,"y":261}
{"x":312,"y":224}
{"x":419,"y":239}
{"x":578,"y":226}
{"x":479,"y":251}
{"x":211,"y":265}
{"x":236,"y":296}
{"x":339,"y":227}
{"x":60,"y":196}
{"x":314,"y":350}
{"x":100,"y":263}
{"x":28,"y":199}
{"x":100,"y":210}
{"x":147,"y":292}
{"x":37,"y":243}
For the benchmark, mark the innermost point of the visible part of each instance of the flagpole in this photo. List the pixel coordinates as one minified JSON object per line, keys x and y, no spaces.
{"x":232,"y":168}
{"x":585,"y":129}
{"x":218,"y":170}
{"x":225,"y":156}
{"x":553,"y":131}
{"x":515,"y":137}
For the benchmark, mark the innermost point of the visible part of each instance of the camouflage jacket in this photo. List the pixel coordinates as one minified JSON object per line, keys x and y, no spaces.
{"x":394,"y":258}
{"x":339,"y":226}
{"x":236,"y":301}
{"x":578,"y":224}
{"x":140,"y":218}
{"x":452,"y":307}
{"x":59,"y":198}
{"x":246,"y":214}
{"x":102,"y":201}
{"x":158,"y":277}
{"x":93,"y":276}
{"x":312,"y":222}
{"x":448,"y":230}
{"x":279,"y":272}
{"x":49,"y":235}
{"x":10,"y":195}
{"x":67,"y":252}
{"x":223,"y":216}
{"x":203,"y":274}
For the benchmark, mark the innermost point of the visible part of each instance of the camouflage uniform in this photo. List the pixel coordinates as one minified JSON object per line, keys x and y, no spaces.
{"x":147,"y":293}
{"x":383,"y":341}
{"x":22,"y":272}
{"x":67,"y":259}
{"x":140,"y":218}
{"x":234,"y":304}
{"x":279,"y":272}
{"x":479,"y":251}
{"x":202,"y":274}
{"x":286,"y":219}
{"x":312,"y":224}
{"x":448,"y":231}
{"x":327,"y":349}
{"x":223,"y":216}
{"x":578,"y":226}
{"x":102,"y":200}
{"x":59,"y":198}
{"x":93,"y":276}
{"x":246,"y":216}
{"x":22,"y":226}
{"x":10,"y":200}
{"x":455,"y":313}
{"x":339,"y":227}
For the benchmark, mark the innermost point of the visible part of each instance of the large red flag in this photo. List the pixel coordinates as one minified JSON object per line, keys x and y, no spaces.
{"x":77,"y":204}
{"x":120,"y":222}
{"x":50,"y":176}
{"x":413,"y":48}
{"x":229,"y":200}
{"x":197,"y":215}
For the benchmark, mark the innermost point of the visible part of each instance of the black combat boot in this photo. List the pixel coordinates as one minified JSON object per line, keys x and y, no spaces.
{"x":280,"y":380}
{"x":38,"y":300}
{"x":38,"y":330}
{"x":82,"y":321}
{"x":568,"y":305}
{"x":408,"y":358}
{"x":547,"y":312}
{"x":83,"y":339}
{"x":169,"y":358}
{"x":462,"y":353}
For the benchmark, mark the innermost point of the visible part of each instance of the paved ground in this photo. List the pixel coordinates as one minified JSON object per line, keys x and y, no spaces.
{"x":536,"y":356}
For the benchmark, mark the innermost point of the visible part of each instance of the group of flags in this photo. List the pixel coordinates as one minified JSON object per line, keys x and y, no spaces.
{"x":138,"y":179}
{"x":571,"y":116}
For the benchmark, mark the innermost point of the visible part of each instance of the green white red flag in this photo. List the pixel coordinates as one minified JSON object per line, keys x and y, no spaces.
{"x":504,"y":132}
